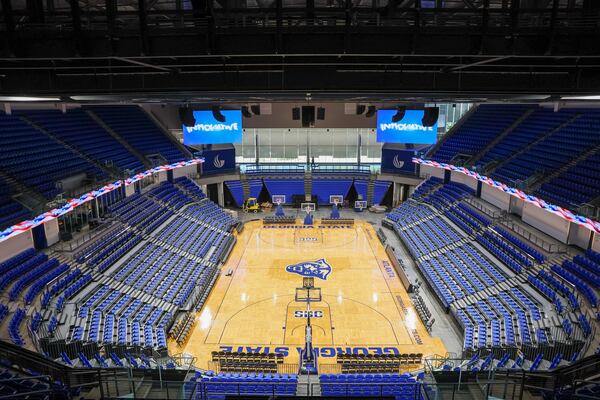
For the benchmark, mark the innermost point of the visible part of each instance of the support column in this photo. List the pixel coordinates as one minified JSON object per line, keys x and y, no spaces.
{"x":396,"y":188}
{"x":220,"y":194}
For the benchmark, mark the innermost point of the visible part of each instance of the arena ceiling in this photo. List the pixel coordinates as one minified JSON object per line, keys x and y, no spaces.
{"x":280,"y":50}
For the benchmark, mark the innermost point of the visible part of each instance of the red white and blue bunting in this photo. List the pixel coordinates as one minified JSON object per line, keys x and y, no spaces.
{"x":541,"y":203}
{"x":71,"y":204}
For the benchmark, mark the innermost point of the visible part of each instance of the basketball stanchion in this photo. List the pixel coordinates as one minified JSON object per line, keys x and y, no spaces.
{"x":308,"y":355}
{"x":279,"y":217}
{"x":334,"y":217}
{"x":279,"y":210}
{"x":335,"y":212}
{"x":308,"y":208}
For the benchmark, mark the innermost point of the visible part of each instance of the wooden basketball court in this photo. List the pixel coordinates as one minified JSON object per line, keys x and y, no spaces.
{"x":364,"y":307}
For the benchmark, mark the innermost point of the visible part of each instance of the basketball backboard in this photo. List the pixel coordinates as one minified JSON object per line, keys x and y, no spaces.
{"x":308,"y":207}
{"x":336,"y":199}
{"x":278,"y":199}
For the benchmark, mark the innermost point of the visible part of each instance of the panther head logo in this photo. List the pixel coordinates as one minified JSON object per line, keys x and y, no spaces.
{"x":317,"y":269}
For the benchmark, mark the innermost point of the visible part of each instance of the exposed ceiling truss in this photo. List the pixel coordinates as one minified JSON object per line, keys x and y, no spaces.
{"x":396,"y":48}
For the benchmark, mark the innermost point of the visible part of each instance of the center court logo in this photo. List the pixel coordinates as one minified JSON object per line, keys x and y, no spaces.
{"x":316,"y":269}
{"x":397,"y":163}
{"x":218,"y":163}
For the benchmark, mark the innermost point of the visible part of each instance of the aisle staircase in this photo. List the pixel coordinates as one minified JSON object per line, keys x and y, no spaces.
{"x":308,"y":182}
{"x":371,"y":188}
{"x":245,"y":185}
{"x":119,"y":139}
{"x":167,"y":133}
{"x":500,"y":137}
{"x":548,"y":177}
{"x":27,"y":196}
{"x":451,"y":132}
{"x":535,"y":142}
{"x":74,"y":149}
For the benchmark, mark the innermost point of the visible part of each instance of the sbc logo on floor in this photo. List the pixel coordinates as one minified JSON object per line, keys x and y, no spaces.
{"x":316,"y":269}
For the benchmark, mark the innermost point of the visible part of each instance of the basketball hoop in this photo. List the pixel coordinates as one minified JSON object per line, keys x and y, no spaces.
{"x":360,"y":205}
{"x":278,"y":199}
{"x":337,"y":200}
{"x":308,"y":207}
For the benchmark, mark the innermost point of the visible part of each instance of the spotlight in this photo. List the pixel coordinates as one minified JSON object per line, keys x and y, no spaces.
{"x":186,"y":116}
{"x":216,"y":112}
{"x":371,"y":110}
{"x":360,"y":109}
{"x":400,"y":111}
{"x":246,"y":112}
{"x":255,"y":109}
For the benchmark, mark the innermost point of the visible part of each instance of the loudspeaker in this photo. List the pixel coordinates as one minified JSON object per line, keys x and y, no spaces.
{"x":216,"y":112}
{"x":371,"y":110}
{"x":308,"y":116}
{"x":430,"y":116}
{"x":186,"y":116}
{"x":296,"y":113}
{"x":399,"y":114}
{"x":321,"y":113}
{"x":360,"y":109}
{"x":255,"y":109}
{"x":246,"y":112}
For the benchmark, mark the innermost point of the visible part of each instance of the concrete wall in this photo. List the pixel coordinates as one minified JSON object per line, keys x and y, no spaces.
{"x":167,"y":114}
{"x":546,"y":222}
{"x":15,"y":245}
{"x":130,"y":190}
{"x":72,"y":182}
{"x":51,"y":231}
{"x":427,"y":170}
{"x":596,"y":242}
{"x":464,"y":179}
{"x":184,"y":171}
{"x":335,"y":117}
{"x":516,"y":205}
{"x":400,"y":179}
{"x":279,"y":115}
{"x":580,"y":236}
{"x":496,"y":197}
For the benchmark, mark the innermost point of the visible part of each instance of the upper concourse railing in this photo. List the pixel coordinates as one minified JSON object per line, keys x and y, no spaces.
{"x":287,"y":168}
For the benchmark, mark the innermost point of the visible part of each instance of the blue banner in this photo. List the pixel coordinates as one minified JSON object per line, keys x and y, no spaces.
{"x":208,"y":130}
{"x":216,"y":161}
{"x":397,"y":160}
{"x":409,"y":129}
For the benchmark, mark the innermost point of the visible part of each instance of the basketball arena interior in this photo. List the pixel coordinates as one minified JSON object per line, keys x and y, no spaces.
{"x":239,"y":199}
